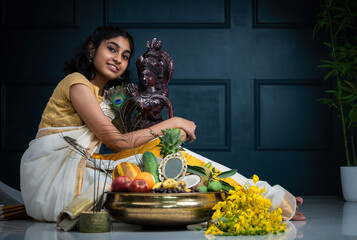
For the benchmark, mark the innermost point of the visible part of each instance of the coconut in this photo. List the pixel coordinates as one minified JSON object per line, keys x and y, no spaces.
{"x":193,"y":181}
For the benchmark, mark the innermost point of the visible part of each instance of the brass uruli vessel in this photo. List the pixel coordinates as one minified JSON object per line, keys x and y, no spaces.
{"x":166,"y":209}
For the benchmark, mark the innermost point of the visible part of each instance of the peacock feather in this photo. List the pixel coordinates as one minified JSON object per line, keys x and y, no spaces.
{"x":117,"y":96}
{"x":123,"y":106}
{"x":126,"y":117}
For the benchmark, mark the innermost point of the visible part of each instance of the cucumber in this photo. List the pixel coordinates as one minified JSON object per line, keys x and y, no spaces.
{"x":151,"y":165}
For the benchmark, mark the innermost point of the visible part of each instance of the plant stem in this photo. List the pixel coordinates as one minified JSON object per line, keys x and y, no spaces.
{"x":339,"y":96}
{"x":353,"y":148}
{"x":343,"y":126}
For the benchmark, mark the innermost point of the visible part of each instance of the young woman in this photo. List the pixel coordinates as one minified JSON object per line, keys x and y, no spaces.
{"x":52,"y":175}
{"x":57,"y":182}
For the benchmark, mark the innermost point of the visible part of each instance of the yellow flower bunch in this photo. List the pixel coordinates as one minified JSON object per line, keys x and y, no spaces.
{"x":246,"y":212}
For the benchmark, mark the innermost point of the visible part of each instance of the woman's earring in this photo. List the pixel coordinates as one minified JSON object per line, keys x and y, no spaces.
{"x":90,"y":60}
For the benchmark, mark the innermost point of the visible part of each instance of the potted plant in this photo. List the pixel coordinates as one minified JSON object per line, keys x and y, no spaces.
{"x":338,"y":18}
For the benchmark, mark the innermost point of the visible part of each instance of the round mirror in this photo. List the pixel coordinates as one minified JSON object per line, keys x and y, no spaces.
{"x":173,"y":166}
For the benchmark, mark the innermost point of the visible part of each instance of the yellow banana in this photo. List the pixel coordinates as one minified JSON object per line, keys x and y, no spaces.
{"x":158,"y":185}
{"x":181,"y":185}
{"x":169,"y":183}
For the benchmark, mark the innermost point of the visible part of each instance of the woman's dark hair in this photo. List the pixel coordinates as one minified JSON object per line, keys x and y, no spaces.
{"x":80,"y":61}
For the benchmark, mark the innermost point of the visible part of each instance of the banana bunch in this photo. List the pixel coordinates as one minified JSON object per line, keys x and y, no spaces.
{"x":170,"y":183}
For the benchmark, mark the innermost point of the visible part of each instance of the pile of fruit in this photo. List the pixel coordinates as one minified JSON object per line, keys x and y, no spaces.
{"x":128,"y":177}
{"x":170,"y":186}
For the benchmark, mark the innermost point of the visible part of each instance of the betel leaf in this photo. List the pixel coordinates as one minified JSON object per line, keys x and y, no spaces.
{"x":226,"y":186}
{"x":196,"y":170}
{"x":227,"y":173}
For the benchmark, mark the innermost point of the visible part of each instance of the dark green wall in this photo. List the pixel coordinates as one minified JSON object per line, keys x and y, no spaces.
{"x":245,"y":72}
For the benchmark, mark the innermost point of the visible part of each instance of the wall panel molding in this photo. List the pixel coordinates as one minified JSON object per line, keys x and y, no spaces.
{"x":274,"y":14}
{"x":163,"y":14}
{"x":58,"y":14}
{"x":287,"y":115}
{"x":215,"y":86}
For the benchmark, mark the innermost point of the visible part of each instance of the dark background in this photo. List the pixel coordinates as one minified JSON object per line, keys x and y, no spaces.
{"x":245,"y":72}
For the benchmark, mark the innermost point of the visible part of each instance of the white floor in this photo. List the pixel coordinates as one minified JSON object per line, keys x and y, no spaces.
{"x":327,"y":218}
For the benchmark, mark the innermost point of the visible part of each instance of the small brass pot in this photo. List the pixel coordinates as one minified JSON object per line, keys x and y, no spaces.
{"x":162,"y":209}
{"x":96,"y":222}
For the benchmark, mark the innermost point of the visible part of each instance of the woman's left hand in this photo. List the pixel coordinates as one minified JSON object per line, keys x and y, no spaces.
{"x":184,"y":135}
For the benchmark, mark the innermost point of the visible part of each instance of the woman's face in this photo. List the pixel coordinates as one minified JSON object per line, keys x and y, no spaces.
{"x":148,"y":77}
{"x":111,"y":57}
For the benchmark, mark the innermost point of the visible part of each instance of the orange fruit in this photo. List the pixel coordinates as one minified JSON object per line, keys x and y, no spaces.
{"x":126,"y":169}
{"x":147,"y":177}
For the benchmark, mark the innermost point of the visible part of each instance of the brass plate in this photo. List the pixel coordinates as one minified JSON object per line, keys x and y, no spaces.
{"x":166,"y":209}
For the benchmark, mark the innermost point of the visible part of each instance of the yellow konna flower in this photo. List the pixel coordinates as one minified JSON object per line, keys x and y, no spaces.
{"x":255,"y":178}
{"x":213,"y":230}
{"x":246,"y":212}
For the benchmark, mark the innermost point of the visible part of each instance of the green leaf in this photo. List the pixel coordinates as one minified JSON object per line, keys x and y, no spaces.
{"x":339,"y":15}
{"x":352,"y":85}
{"x":196,"y":170}
{"x":327,"y":101}
{"x":349,"y":90}
{"x":324,"y":100}
{"x":210,"y":175}
{"x":332,"y":91}
{"x":227,"y":173}
{"x":330,"y":46}
{"x":226,"y":186}
{"x":208,"y":165}
{"x":330,"y":73}
{"x":352,"y":99}
{"x":325,"y":66}
{"x":348,"y":97}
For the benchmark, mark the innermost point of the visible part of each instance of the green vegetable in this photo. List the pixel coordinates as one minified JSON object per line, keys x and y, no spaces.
{"x":214,"y":186}
{"x":151,"y":165}
{"x":202,"y":188}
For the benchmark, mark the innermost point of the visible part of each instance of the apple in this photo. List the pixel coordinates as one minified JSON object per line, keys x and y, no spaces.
{"x":139,"y":186}
{"x":121,"y":184}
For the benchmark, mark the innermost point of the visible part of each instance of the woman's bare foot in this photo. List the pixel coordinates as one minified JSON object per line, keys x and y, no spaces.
{"x":299,"y":216}
{"x":299,"y":200}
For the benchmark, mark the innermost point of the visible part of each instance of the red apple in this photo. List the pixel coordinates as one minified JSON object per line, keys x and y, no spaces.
{"x":138,"y":186}
{"x":121,"y":184}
